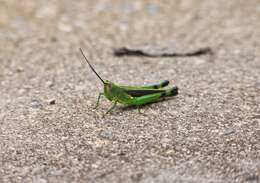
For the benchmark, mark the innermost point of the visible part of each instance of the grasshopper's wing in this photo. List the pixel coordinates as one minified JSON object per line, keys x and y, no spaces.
{"x":155,"y":86}
{"x":138,"y":92}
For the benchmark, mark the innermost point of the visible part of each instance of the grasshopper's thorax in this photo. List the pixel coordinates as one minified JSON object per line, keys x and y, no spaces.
{"x":113,"y":92}
{"x":110,"y":90}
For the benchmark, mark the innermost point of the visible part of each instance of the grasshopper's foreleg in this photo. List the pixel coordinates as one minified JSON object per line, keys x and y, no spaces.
{"x":97,"y":103}
{"x":111,"y":108}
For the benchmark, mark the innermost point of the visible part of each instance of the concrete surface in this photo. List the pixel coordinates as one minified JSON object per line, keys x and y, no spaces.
{"x":209,"y":133}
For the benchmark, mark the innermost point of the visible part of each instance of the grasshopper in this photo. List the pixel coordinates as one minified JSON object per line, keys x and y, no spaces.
{"x":132,"y":95}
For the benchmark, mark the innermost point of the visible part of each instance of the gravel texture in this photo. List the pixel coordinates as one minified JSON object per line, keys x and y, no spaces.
{"x":49,"y":131}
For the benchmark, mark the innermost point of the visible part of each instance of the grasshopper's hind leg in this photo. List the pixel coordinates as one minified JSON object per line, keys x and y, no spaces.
{"x":145,"y":99}
{"x":98,"y":99}
{"x":172,"y":91}
{"x":139,"y":111}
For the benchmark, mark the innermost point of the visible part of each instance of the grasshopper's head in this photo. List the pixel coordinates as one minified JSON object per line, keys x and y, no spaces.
{"x":111,"y":90}
{"x":108,"y":86}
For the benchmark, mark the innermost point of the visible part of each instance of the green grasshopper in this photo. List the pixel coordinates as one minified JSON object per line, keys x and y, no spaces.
{"x":132,"y":95}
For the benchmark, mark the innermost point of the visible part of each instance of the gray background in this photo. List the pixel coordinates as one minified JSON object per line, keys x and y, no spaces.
{"x":208,"y":133}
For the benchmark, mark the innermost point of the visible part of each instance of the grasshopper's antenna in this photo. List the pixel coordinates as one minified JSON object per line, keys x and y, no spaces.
{"x":91,"y":66}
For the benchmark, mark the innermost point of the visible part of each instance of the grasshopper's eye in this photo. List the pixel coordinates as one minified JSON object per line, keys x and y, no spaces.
{"x":110,"y":86}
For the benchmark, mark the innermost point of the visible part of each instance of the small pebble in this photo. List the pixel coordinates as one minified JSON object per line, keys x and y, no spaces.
{"x":52,"y":102}
{"x":253,"y":178}
{"x":40,"y":180}
{"x":19,"y":69}
{"x":36,"y":104}
{"x":106,"y":135}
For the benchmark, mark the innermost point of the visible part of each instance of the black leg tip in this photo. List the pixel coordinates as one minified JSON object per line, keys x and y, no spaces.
{"x":165,"y":83}
{"x":175,"y":90}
